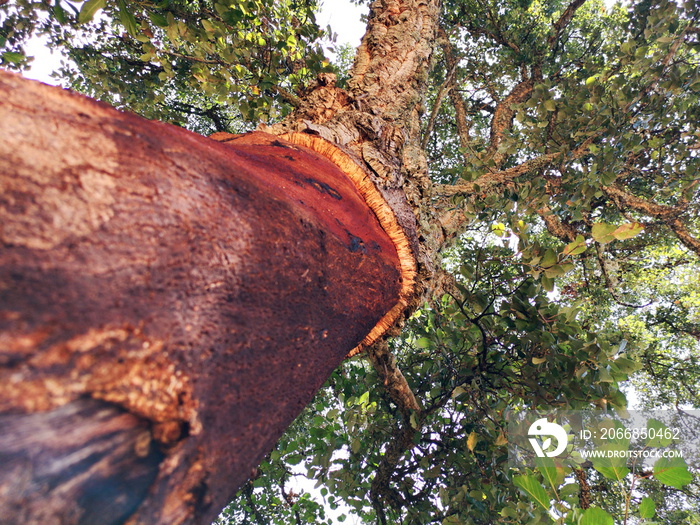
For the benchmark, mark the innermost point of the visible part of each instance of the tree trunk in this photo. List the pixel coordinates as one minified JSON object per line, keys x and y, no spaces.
{"x":168,"y":304}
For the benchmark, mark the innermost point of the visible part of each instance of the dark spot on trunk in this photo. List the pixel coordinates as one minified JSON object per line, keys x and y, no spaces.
{"x":324,"y":188}
{"x":356,"y":244}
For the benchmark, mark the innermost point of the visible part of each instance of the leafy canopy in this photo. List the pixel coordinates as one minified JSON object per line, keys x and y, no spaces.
{"x":209,"y":65}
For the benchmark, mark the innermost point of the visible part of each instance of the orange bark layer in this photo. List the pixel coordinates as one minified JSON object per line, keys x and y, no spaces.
{"x":313,"y":180}
{"x":387,"y":220}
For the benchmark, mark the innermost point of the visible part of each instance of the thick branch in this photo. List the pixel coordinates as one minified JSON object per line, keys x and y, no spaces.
{"x":684,"y":236}
{"x":670,"y":215}
{"x":627,"y":200}
{"x":555,"y":226}
{"x":563,"y":21}
{"x":490,"y":182}
{"x":384,"y":362}
{"x":393,"y":58}
{"x":452,"y":62}
{"x":503,"y":118}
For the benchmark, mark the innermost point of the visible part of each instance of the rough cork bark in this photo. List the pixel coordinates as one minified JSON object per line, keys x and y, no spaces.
{"x":168,"y":304}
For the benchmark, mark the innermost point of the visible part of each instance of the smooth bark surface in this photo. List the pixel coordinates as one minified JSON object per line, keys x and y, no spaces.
{"x":168,"y":304}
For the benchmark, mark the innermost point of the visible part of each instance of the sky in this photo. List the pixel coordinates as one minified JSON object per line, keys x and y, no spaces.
{"x":344,"y":18}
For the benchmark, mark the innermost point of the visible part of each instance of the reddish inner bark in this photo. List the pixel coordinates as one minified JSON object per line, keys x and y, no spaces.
{"x":204,"y":290}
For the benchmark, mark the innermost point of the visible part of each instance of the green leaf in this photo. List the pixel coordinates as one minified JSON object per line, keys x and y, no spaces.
{"x":647,"y":508}
{"x":604,"y":376}
{"x":208,"y":26}
{"x":627,"y":231}
{"x":158,"y":19}
{"x":60,"y":14}
{"x":672,"y":472}
{"x":603,"y":232}
{"x":458,"y":391}
{"x":554,"y":271}
{"x":591,"y":80}
{"x":612,"y":467}
{"x":10,"y":56}
{"x":660,"y":434}
{"x":576,"y":247}
{"x":596,"y":516}
{"x":88,"y":10}
{"x":509,"y":512}
{"x":552,"y":473}
{"x":533,"y":488}
{"x":548,"y":283}
{"x":549,"y":258}
{"x":569,"y":490}
{"x":627,"y":366}
{"x":127,"y":19}
{"x":423,"y":342}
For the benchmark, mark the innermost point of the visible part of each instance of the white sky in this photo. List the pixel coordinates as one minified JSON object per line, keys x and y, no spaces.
{"x":344,"y":18}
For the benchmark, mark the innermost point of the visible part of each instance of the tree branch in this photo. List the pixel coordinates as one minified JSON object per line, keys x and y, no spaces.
{"x":447,"y":86}
{"x":452,"y":62}
{"x":384,"y":363}
{"x":503,"y":118}
{"x":563,"y":21}
{"x":624,"y":199}
{"x":670,"y":215}
{"x":489,"y":182}
{"x":555,"y":226}
{"x":288,"y":96}
{"x":684,"y":236}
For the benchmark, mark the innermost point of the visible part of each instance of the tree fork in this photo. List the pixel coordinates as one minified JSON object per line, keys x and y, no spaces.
{"x":168,"y":304}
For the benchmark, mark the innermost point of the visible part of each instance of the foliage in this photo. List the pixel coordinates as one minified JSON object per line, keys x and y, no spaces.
{"x":562,"y":140}
{"x":225,"y":63}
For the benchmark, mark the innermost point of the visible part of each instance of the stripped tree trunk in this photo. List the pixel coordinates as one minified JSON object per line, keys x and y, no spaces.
{"x":169,"y":303}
